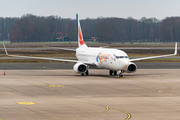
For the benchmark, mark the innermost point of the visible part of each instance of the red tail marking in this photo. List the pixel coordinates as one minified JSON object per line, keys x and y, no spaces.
{"x":80,"y":37}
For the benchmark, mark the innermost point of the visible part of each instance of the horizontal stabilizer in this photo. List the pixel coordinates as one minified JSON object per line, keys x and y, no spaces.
{"x":70,"y":49}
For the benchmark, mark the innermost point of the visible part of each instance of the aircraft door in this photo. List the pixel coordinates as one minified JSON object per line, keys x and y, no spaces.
{"x":111,"y":59}
{"x":113,"y":62}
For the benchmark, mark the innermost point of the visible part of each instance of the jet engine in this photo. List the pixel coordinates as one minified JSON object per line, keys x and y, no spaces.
{"x":131,"y":68}
{"x":80,"y":68}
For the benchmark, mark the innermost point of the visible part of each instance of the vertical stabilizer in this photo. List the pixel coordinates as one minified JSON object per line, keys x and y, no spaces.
{"x":81,"y":43}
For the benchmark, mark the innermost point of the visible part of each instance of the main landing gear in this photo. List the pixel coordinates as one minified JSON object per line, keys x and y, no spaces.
{"x":86,"y":73}
{"x":120,"y":75}
{"x":112,"y":72}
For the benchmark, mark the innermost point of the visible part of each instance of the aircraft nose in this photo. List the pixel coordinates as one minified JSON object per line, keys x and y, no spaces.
{"x":124,"y":64}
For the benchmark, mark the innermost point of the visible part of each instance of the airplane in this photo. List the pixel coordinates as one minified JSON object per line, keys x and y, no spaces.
{"x":100,"y":58}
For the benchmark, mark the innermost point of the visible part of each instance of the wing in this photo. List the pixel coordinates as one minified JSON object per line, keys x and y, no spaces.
{"x":135,"y":48}
{"x":70,"y":49}
{"x":138,"y":59}
{"x":43,"y":58}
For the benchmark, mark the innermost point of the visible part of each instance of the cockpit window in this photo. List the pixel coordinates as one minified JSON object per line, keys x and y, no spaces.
{"x":118,"y":57}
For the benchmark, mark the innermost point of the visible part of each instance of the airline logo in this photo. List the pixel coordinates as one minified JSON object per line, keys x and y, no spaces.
{"x":102,"y":57}
{"x":80,"y":37}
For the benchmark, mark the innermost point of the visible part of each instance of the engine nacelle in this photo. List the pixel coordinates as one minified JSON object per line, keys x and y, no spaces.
{"x":80,"y":68}
{"x":131,"y":68}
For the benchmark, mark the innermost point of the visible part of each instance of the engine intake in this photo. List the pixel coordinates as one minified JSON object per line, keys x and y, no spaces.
{"x":131,"y":68}
{"x":80,"y":68}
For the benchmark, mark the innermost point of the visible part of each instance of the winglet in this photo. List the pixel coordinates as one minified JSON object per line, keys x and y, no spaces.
{"x":5,"y":50}
{"x":175,"y":52}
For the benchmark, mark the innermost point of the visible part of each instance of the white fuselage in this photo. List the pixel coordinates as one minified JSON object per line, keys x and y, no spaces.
{"x":111,"y":59}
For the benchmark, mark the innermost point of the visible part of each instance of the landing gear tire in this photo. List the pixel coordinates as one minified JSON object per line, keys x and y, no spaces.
{"x":110,"y":72}
{"x":87,"y":72}
{"x":115,"y":72}
{"x":82,"y":74}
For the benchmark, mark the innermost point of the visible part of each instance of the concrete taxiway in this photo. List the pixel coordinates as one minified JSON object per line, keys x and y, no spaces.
{"x":148,"y":94}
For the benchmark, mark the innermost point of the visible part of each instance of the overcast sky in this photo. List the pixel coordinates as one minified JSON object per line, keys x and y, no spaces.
{"x":137,"y":9}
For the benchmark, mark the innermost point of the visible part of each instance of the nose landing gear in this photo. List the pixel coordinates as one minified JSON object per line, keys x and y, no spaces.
{"x":120,"y":74}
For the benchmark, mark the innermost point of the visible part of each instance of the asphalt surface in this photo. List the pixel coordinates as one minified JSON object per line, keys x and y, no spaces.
{"x":50,"y":66}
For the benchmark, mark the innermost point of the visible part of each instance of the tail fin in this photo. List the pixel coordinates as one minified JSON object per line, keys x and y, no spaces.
{"x":81,"y":43}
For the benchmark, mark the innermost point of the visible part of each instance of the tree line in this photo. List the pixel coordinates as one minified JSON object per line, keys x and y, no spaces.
{"x":31,"y":28}
{"x":5,"y":27}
